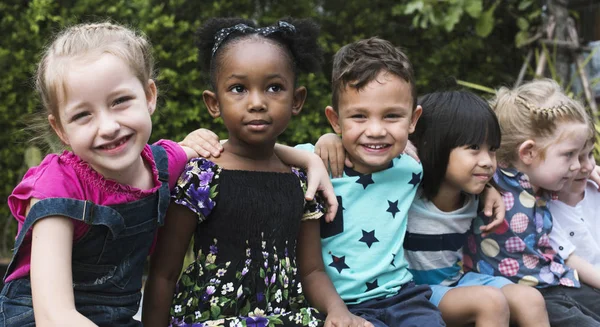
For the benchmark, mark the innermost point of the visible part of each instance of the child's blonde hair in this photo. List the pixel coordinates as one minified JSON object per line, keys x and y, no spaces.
{"x":85,"y":42}
{"x":532,"y":111}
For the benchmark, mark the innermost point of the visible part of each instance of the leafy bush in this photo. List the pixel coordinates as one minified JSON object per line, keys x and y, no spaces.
{"x":170,"y":25}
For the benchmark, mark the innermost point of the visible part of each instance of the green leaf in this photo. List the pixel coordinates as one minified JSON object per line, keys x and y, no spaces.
{"x":520,"y":38}
{"x":485,"y":23}
{"x":524,"y":4}
{"x":522,"y":23}
{"x":413,"y":6}
{"x":215,"y":311}
{"x":474,"y":8}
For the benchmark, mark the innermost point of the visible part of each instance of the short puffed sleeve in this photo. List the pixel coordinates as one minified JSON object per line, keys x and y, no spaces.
{"x":197,"y":187}
{"x":314,"y":208}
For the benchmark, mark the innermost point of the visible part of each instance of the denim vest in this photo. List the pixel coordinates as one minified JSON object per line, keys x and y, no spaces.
{"x":108,"y":261}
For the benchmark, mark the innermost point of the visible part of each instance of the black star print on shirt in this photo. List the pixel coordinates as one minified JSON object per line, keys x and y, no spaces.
{"x":369,"y":238}
{"x":372,"y":286}
{"x":339,"y":263}
{"x":415,"y":180}
{"x":365,"y":180}
{"x":393,"y":208}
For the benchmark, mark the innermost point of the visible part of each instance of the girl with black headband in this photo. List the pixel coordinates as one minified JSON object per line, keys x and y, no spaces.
{"x":246,"y":209}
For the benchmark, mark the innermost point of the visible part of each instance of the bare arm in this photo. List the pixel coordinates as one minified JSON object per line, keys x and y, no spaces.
{"x":51,"y":273}
{"x":493,"y":208}
{"x":318,"y":178}
{"x":165,"y":264}
{"x":317,"y":286}
{"x":587,"y":272}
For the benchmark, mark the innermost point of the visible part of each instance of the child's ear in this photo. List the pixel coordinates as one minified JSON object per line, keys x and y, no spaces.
{"x":299,"y":98}
{"x":58,"y":130}
{"x":151,"y":95}
{"x":527,"y":152}
{"x":416,"y":114}
{"x":334,"y":119}
{"x":212,"y":103}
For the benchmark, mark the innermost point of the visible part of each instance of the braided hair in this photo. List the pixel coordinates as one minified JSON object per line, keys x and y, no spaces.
{"x":299,"y":42}
{"x":532,"y":111}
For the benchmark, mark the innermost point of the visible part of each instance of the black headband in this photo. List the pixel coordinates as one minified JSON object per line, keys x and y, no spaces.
{"x":245,"y":29}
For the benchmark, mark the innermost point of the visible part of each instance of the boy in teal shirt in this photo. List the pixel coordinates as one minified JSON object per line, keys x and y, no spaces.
{"x":374,"y":109}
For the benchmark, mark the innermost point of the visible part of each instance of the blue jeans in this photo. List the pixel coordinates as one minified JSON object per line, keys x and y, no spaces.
{"x":410,"y":307}
{"x":568,"y":306}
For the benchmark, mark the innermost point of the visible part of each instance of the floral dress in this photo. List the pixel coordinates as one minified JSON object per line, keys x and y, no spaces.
{"x":245,"y":270}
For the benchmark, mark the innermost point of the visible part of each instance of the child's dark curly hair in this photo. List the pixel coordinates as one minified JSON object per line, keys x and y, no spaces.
{"x":301,"y":46}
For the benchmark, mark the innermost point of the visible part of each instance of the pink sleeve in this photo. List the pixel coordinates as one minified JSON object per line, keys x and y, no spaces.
{"x":177,"y":160}
{"x":48,"y":180}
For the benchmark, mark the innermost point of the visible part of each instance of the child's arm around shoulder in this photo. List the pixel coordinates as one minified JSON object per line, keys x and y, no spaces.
{"x":317,"y":286}
{"x":51,"y":273}
{"x":318,"y":178}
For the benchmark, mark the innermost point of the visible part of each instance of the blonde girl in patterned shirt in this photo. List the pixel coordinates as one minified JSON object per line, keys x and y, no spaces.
{"x":543,"y":131}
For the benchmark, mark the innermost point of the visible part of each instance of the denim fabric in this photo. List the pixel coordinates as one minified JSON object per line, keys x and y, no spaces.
{"x":108,"y":261}
{"x":409,"y":307}
{"x":569,"y":306}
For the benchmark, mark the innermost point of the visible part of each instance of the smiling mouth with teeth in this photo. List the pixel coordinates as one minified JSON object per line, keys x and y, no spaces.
{"x":376,"y":146}
{"x":116,"y":144}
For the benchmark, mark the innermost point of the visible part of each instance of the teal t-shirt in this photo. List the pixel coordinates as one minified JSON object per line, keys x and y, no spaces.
{"x":363,"y":247}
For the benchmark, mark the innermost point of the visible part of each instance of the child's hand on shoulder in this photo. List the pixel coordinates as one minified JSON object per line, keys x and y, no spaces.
{"x":344,"y":318}
{"x":493,"y":208}
{"x":318,"y":180}
{"x":203,"y":142}
{"x":331,"y":150}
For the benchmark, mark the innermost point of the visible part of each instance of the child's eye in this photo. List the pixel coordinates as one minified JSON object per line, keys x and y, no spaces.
{"x":79,"y":116}
{"x":274,"y":88}
{"x":392,"y":116}
{"x":358,"y":116}
{"x":569,"y":154}
{"x":120,"y":100}
{"x":493,"y":149}
{"x":237,"y":89}
{"x":591,"y":154}
{"x":473,"y":147}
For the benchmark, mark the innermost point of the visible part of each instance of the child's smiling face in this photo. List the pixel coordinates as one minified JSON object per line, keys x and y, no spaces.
{"x":375,"y":121}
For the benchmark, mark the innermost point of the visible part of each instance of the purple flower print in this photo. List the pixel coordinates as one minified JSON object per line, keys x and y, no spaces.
{"x":214,"y":249}
{"x":205,"y":177}
{"x":202,"y":196}
{"x":260,"y":296}
{"x":206,"y":164}
{"x":256,"y":321}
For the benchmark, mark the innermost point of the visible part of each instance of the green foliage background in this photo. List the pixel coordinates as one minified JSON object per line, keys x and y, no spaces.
{"x":471,"y":40}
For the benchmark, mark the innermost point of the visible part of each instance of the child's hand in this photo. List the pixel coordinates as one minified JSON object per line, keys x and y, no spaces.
{"x":204,"y":142}
{"x":595,"y":176}
{"x":493,"y":208}
{"x":318,"y":180}
{"x":411,"y":150}
{"x":344,"y":318}
{"x":329,"y":147}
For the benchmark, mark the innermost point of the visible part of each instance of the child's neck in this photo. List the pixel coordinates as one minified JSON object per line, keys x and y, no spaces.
{"x":139,"y":175}
{"x":448,"y":199}
{"x":242,"y":156}
{"x":571,"y":198}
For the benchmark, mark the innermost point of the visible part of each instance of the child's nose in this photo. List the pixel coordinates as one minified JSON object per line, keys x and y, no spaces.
{"x":108,"y":126}
{"x":256,"y":101}
{"x":375,"y":129}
